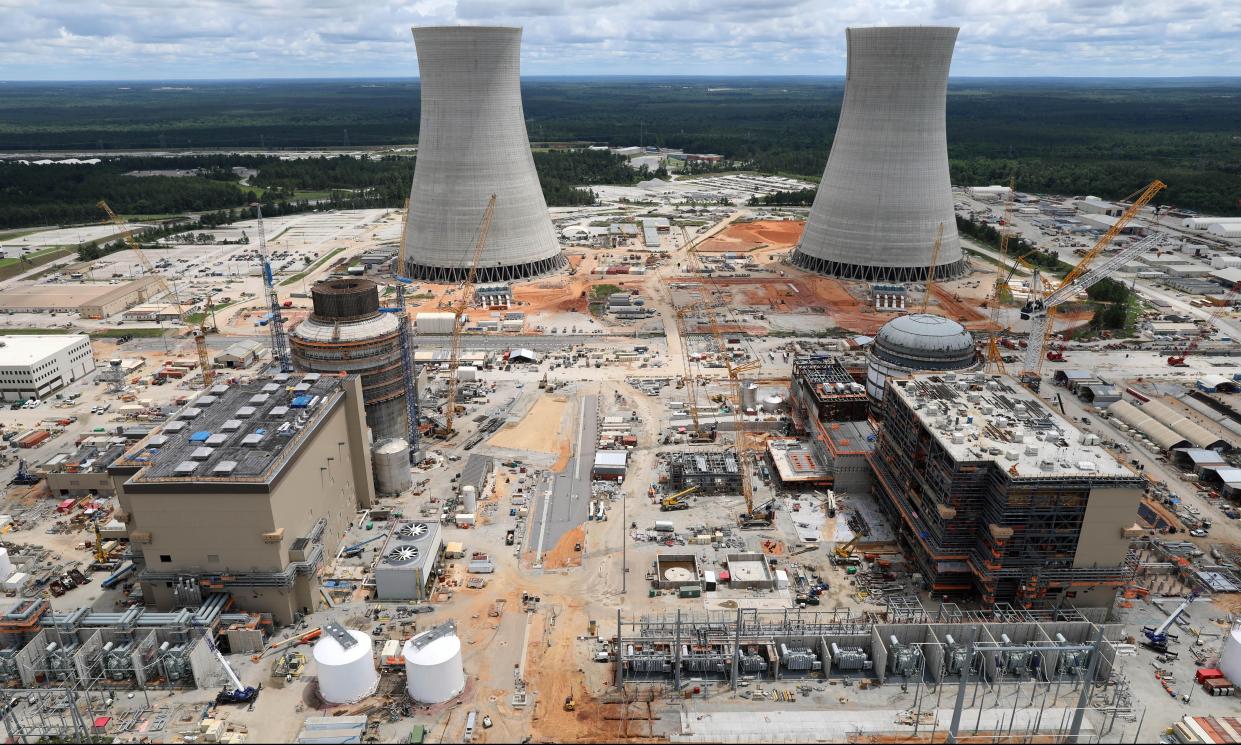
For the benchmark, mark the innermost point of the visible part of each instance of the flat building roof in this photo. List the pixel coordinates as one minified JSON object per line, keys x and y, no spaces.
{"x":20,"y":350}
{"x":69,"y":295}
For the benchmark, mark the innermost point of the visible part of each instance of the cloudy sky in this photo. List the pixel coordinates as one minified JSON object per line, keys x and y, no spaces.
{"x":162,"y":39}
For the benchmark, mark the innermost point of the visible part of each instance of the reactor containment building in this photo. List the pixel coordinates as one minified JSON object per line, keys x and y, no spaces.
{"x":886,"y":190}
{"x":472,"y":143}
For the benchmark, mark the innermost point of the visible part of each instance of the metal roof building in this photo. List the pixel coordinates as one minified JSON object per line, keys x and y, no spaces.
{"x":472,"y":143}
{"x":886,"y":190}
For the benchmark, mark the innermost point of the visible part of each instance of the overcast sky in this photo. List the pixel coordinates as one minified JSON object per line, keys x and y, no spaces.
{"x":161,"y":39}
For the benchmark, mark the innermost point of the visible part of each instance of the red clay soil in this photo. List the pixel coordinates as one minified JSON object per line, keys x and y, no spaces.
{"x":747,"y":236}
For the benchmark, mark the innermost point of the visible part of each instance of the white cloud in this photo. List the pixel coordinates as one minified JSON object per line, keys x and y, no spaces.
{"x":102,"y":39}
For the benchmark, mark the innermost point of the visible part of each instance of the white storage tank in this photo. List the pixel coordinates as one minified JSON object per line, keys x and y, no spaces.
{"x":749,"y":396}
{"x":468,"y":499}
{"x":773,"y":403}
{"x":6,"y":564}
{"x":346,"y":668}
{"x":390,"y":462}
{"x":434,"y":671}
{"x":1230,"y":657}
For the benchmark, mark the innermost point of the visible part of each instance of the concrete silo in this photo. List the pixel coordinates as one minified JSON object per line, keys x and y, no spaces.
{"x":346,"y":332}
{"x":472,"y":143}
{"x":886,"y":188}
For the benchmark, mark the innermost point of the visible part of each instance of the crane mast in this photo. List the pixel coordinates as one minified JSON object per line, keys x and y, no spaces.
{"x":930,"y":272}
{"x":467,"y":287}
{"x":279,"y":338}
{"x":1040,"y":312}
{"x":406,"y":336}
{"x":200,"y":333}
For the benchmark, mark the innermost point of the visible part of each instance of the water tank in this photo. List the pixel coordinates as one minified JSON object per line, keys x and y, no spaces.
{"x":773,"y":403}
{"x":434,"y":671}
{"x":749,"y":396}
{"x":390,"y":461}
{"x":1230,"y":658}
{"x":346,"y":673}
{"x":468,"y":499}
{"x":6,"y":564}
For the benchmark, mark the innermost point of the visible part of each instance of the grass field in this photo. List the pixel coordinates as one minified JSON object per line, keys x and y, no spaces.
{"x":302,"y":274}
{"x":147,"y":333}
{"x":10,"y":268}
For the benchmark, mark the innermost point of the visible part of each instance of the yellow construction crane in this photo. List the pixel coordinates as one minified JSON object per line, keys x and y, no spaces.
{"x":690,"y":378}
{"x":995,"y":358}
{"x":930,"y":272}
{"x":675,"y":502}
{"x":101,"y":556}
{"x":467,"y":288}
{"x":1040,"y":309}
{"x":200,"y":333}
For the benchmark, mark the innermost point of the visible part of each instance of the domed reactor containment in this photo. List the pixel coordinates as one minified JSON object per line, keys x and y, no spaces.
{"x":472,"y":143}
{"x":348,"y":333}
{"x":921,"y":342}
{"x":886,"y":189}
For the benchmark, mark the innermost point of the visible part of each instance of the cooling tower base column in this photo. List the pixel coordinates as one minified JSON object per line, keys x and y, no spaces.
{"x":488,"y":274}
{"x":876,"y":273}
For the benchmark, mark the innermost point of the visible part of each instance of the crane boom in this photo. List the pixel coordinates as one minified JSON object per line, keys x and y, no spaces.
{"x":200,"y":333}
{"x":1178,"y":360}
{"x":930,"y":272}
{"x":406,"y":336}
{"x":1037,"y":310}
{"x":279,"y":339}
{"x":467,"y":287}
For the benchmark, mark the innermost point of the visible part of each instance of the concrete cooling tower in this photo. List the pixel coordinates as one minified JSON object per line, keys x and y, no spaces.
{"x":472,"y":143}
{"x":886,"y":188}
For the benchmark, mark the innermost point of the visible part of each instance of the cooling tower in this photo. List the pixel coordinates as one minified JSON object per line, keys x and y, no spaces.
{"x":886,"y":189}
{"x":472,"y":143}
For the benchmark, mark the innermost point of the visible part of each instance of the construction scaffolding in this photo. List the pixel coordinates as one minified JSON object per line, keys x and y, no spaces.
{"x":711,"y":472}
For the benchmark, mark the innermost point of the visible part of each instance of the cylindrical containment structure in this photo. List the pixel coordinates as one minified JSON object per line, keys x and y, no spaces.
{"x":772,"y":403}
{"x":886,"y":190}
{"x":434,"y":671}
{"x":920,"y":342}
{"x":348,"y":333}
{"x":469,"y":499}
{"x":472,"y":143}
{"x":346,"y":675}
{"x":1230,"y":657}
{"x":390,"y":461}
{"x":749,"y":396}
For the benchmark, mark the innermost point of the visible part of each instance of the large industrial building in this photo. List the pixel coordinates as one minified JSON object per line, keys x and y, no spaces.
{"x":885,"y":191}
{"x":1001,"y":497}
{"x":32,"y":366}
{"x":247,"y":491}
{"x":919,"y":342}
{"x":89,"y":300}
{"x":472,"y":143}
{"x":829,"y":405}
{"x":347,"y":332}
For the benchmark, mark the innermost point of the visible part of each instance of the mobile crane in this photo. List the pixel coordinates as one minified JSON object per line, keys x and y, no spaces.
{"x":467,"y":288}
{"x":200,"y":333}
{"x":238,"y":693}
{"x":674,"y":502}
{"x":1157,"y":638}
{"x":1039,"y":310}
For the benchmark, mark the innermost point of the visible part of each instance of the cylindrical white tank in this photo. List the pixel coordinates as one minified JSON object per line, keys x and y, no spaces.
{"x":468,"y":499}
{"x":749,"y":396}
{"x":773,"y":403}
{"x":434,"y":671}
{"x":390,"y":461}
{"x":346,"y":675}
{"x":1230,"y":658}
{"x":6,"y":564}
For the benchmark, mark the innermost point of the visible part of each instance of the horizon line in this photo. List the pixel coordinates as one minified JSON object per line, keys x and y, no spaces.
{"x":598,"y":76}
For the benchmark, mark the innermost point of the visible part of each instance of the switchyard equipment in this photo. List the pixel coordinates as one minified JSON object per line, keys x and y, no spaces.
{"x":1157,"y":637}
{"x":903,"y":659}
{"x":956,"y":657}
{"x":1071,"y":661}
{"x":799,"y":659}
{"x":472,"y":141}
{"x":200,"y":333}
{"x":1040,"y":309}
{"x":850,"y":659}
{"x":886,"y":184}
{"x":279,"y":339}
{"x":467,"y":292}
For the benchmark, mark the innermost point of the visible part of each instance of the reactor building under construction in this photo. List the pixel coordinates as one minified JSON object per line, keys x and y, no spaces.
{"x":472,"y":143}
{"x":886,"y":191}
{"x":347,"y":332}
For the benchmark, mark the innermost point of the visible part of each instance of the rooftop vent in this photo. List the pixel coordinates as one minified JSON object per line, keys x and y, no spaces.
{"x":301,"y":387}
{"x":157,"y":441}
{"x":202,"y":453}
{"x":190,"y":413}
{"x":205,"y":400}
{"x":311,"y":377}
{"x":217,"y":440}
{"x":232,"y":425}
{"x":174,"y":426}
{"x":259,"y":398}
{"x":224,"y":467}
{"x":279,"y":411}
{"x":252,"y":439}
{"x":270,"y":388}
{"x":245,"y":412}
{"x":281,"y":377}
{"x":219,"y":389}
{"x":185,"y":468}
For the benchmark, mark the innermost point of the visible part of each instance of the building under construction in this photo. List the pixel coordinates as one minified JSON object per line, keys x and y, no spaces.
{"x":712,"y":473}
{"x":1001,"y":497}
{"x":829,"y":405}
{"x":348,"y":332}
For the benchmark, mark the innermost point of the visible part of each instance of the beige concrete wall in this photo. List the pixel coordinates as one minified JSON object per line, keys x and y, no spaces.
{"x":78,"y":483}
{"x":1108,"y":513}
{"x":191,"y":529}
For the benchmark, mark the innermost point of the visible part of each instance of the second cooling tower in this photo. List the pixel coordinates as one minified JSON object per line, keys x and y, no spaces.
{"x":886,"y":188}
{"x":472,"y":143}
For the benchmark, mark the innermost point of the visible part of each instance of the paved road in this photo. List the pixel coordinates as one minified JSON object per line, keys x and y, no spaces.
{"x":570,"y":493}
{"x":539,"y":342}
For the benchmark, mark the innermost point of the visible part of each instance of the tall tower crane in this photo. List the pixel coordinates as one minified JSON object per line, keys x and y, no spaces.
{"x":200,"y":333}
{"x":1039,"y":310}
{"x":467,"y":289}
{"x":995,"y":358}
{"x":1178,"y":360}
{"x":406,"y":336}
{"x":930,"y":272}
{"x":279,"y":338}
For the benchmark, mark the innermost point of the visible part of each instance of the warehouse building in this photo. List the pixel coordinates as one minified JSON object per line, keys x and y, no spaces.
{"x":240,"y":355}
{"x":33,"y":366}
{"x":1165,"y":426}
{"x":609,"y":465}
{"x":1000,"y":496}
{"x":247,"y":491}
{"x":94,"y":301}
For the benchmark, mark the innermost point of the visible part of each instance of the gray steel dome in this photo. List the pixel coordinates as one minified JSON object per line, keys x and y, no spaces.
{"x":923,"y":341}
